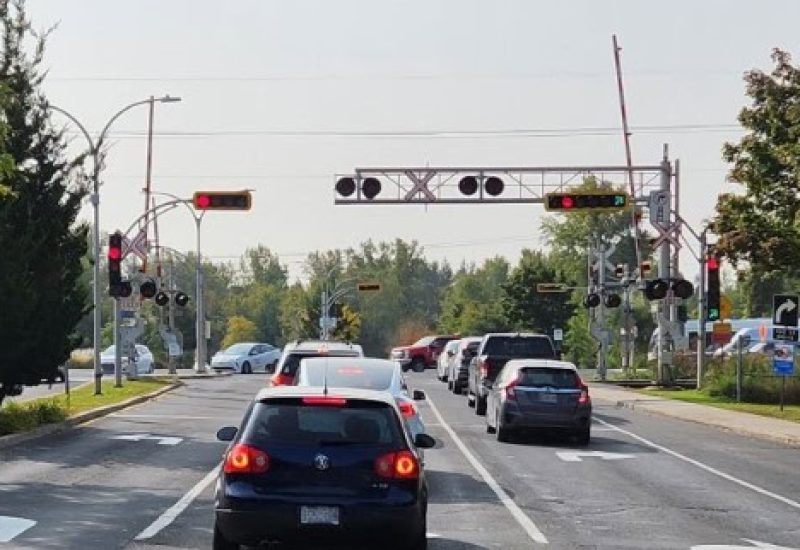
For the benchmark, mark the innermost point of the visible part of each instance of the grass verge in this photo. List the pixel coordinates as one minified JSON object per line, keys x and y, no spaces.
{"x":790,"y":412}
{"x":22,"y":417}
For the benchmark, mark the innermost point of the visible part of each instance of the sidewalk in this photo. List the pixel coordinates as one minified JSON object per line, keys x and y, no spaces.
{"x":751,"y":425}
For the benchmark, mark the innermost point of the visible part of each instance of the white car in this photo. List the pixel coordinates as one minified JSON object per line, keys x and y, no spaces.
{"x":247,"y":358}
{"x":143,"y":359}
{"x":444,"y":360}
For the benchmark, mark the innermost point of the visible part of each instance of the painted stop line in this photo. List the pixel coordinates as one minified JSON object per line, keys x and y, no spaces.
{"x":753,"y":545}
{"x":578,"y":456}
{"x":11,"y":527}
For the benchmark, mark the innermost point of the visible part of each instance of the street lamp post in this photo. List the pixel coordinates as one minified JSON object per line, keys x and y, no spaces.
{"x":96,"y":152}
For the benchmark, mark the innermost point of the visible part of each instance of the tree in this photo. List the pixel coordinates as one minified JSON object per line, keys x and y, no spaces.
{"x":762,"y":226}
{"x":473,"y":304}
{"x":41,"y":241}
{"x":240,"y":329}
{"x":526,"y":308}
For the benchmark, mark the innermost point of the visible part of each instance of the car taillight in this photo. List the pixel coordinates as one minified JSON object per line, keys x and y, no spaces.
{"x":483,"y":366}
{"x":510,"y":393}
{"x":406,"y":408}
{"x":398,"y":465}
{"x":325,"y":401}
{"x":281,"y":380}
{"x":584,"y":396}
{"x":244,"y":459}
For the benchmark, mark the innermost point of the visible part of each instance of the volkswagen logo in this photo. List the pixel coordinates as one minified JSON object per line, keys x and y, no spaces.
{"x":322,"y":462}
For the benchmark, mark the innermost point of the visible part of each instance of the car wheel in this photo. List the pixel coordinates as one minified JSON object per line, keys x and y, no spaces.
{"x":221,"y":543}
{"x":246,"y":369}
{"x":490,"y":429}
{"x":456,"y":388}
{"x":418,"y":365}
{"x":502,"y":434}
{"x":470,"y":398}
{"x":450,"y":385}
{"x":584,"y":435}
{"x":480,"y":406}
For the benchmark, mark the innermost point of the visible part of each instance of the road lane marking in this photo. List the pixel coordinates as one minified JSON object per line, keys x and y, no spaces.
{"x":165,"y":519}
{"x":578,"y":456}
{"x":162,"y":440}
{"x":516,"y":512}
{"x":164,"y":416}
{"x":702,"y":466}
{"x":11,"y":527}
{"x":755,"y":543}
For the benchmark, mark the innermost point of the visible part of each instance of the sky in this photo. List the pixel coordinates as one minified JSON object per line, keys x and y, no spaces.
{"x":258,"y":78}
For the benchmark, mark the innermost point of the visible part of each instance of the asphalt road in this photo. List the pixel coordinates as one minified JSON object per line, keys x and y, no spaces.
{"x":77,"y":377}
{"x":647,"y":482}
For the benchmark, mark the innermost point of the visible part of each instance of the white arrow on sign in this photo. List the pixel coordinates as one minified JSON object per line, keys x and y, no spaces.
{"x":787,"y":306}
{"x":755,"y":543}
{"x":578,"y":456}
{"x":11,"y":527}
{"x":147,"y":437}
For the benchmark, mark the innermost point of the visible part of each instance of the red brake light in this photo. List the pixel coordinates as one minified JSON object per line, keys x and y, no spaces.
{"x":407,"y":408}
{"x":244,"y":459}
{"x":398,"y":465}
{"x":325,"y":401}
{"x":484,"y":368}
{"x":281,"y":380}
{"x":510,"y":393}
{"x":584,"y":396}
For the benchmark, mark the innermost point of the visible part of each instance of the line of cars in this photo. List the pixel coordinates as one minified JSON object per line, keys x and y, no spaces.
{"x":331,"y":451}
{"x":519,"y":383}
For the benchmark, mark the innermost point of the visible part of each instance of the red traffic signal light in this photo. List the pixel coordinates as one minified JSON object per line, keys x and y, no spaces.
{"x":587,"y":201}
{"x":115,"y":264}
{"x":222,"y":200}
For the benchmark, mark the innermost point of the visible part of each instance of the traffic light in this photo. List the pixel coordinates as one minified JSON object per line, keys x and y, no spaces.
{"x":370,"y":188}
{"x":115,"y":264}
{"x":591,"y":300}
{"x":682,"y":288}
{"x":713,"y":291}
{"x":613,"y":300}
{"x":181,"y":299}
{"x":657,"y":289}
{"x":222,"y":200}
{"x":346,"y":186}
{"x":148,"y":289}
{"x":586,"y":201}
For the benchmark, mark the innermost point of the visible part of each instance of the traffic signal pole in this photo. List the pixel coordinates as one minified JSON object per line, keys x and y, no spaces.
{"x":664,"y":350}
{"x":701,"y":310}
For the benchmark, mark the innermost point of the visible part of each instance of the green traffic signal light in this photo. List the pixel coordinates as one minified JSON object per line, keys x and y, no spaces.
{"x":713,"y":314}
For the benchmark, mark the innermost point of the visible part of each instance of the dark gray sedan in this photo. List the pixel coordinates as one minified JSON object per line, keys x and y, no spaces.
{"x":538,"y":393}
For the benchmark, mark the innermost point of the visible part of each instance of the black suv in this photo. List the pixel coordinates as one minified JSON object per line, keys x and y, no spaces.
{"x":495,"y":351}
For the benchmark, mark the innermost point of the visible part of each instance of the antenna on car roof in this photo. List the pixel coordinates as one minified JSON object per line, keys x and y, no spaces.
{"x":325,"y":379}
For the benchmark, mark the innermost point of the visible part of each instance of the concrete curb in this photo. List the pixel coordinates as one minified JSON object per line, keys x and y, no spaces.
{"x":11,"y":440}
{"x":654,"y":406}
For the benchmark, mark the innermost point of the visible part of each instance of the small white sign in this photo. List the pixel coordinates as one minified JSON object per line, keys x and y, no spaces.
{"x":558,"y":334}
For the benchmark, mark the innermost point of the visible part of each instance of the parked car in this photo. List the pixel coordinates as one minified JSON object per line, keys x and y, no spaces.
{"x":422,"y":353}
{"x":533,"y":393}
{"x":247,"y":358}
{"x":495,"y":351}
{"x":365,"y":373}
{"x":307,"y":467}
{"x":293,"y":352}
{"x":459,"y":366}
{"x":143,"y":360}
{"x":445,"y":358}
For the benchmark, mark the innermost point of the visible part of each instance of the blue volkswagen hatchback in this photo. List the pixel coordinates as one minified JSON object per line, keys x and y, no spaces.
{"x":308,"y":466}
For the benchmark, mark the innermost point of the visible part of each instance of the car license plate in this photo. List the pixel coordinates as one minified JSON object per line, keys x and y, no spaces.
{"x":548,"y":398}
{"x":319,"y":515}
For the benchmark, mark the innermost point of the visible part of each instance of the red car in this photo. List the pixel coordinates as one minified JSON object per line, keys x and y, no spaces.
{"x":422,"y":353}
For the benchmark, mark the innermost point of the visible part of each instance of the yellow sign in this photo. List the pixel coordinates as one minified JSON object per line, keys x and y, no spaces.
{"x":722,"y":328}
{"x":725,"y":307}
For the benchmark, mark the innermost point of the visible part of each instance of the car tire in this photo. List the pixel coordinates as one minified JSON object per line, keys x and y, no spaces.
{"x":246,"y":368}
{"x":418,"y":365}
{"x":490,"y":429}
{"x":584,"y":435}
{"x":457,"y":389}
{"x":470,"y":398}
{"x":480,"y":406}
{"x":450,"y":384}
{"x":502,"y":434}
{"x":221,"y":543}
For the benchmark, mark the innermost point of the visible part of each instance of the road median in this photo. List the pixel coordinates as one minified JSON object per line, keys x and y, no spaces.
{"x":53,"y":414}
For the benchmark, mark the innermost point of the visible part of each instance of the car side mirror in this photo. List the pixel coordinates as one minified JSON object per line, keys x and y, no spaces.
{"x":418,"y":395}
{"x":424,"y":441}
{"x":227,"y":433}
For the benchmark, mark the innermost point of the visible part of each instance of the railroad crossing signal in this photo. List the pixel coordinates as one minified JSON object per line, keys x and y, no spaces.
{"x":586,"y":201}
{"x":222,"y":200}
{"x":545,"y":288}
{"x":369,"y":287}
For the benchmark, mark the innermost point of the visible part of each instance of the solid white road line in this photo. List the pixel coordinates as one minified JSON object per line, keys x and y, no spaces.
{"x":165,"y":519}
{"x":702,"y":466}
{"x":11,"y":527}
{"x":516,"y":512}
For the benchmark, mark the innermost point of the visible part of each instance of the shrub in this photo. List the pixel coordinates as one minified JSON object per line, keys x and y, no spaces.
{"x":27,"y":416}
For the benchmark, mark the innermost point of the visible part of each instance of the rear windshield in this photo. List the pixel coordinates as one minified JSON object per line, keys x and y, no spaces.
{"x":281,"y":422}
{"x":369,"y":378}
{"x":293,"y":360}
{"x":540,"y":377}
{"x":520,"y":347}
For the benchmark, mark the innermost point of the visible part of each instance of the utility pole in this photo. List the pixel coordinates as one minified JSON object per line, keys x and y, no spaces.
{"x":171,"y":314}
{"x":602,"y":350}
{"x":626,"y":319}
